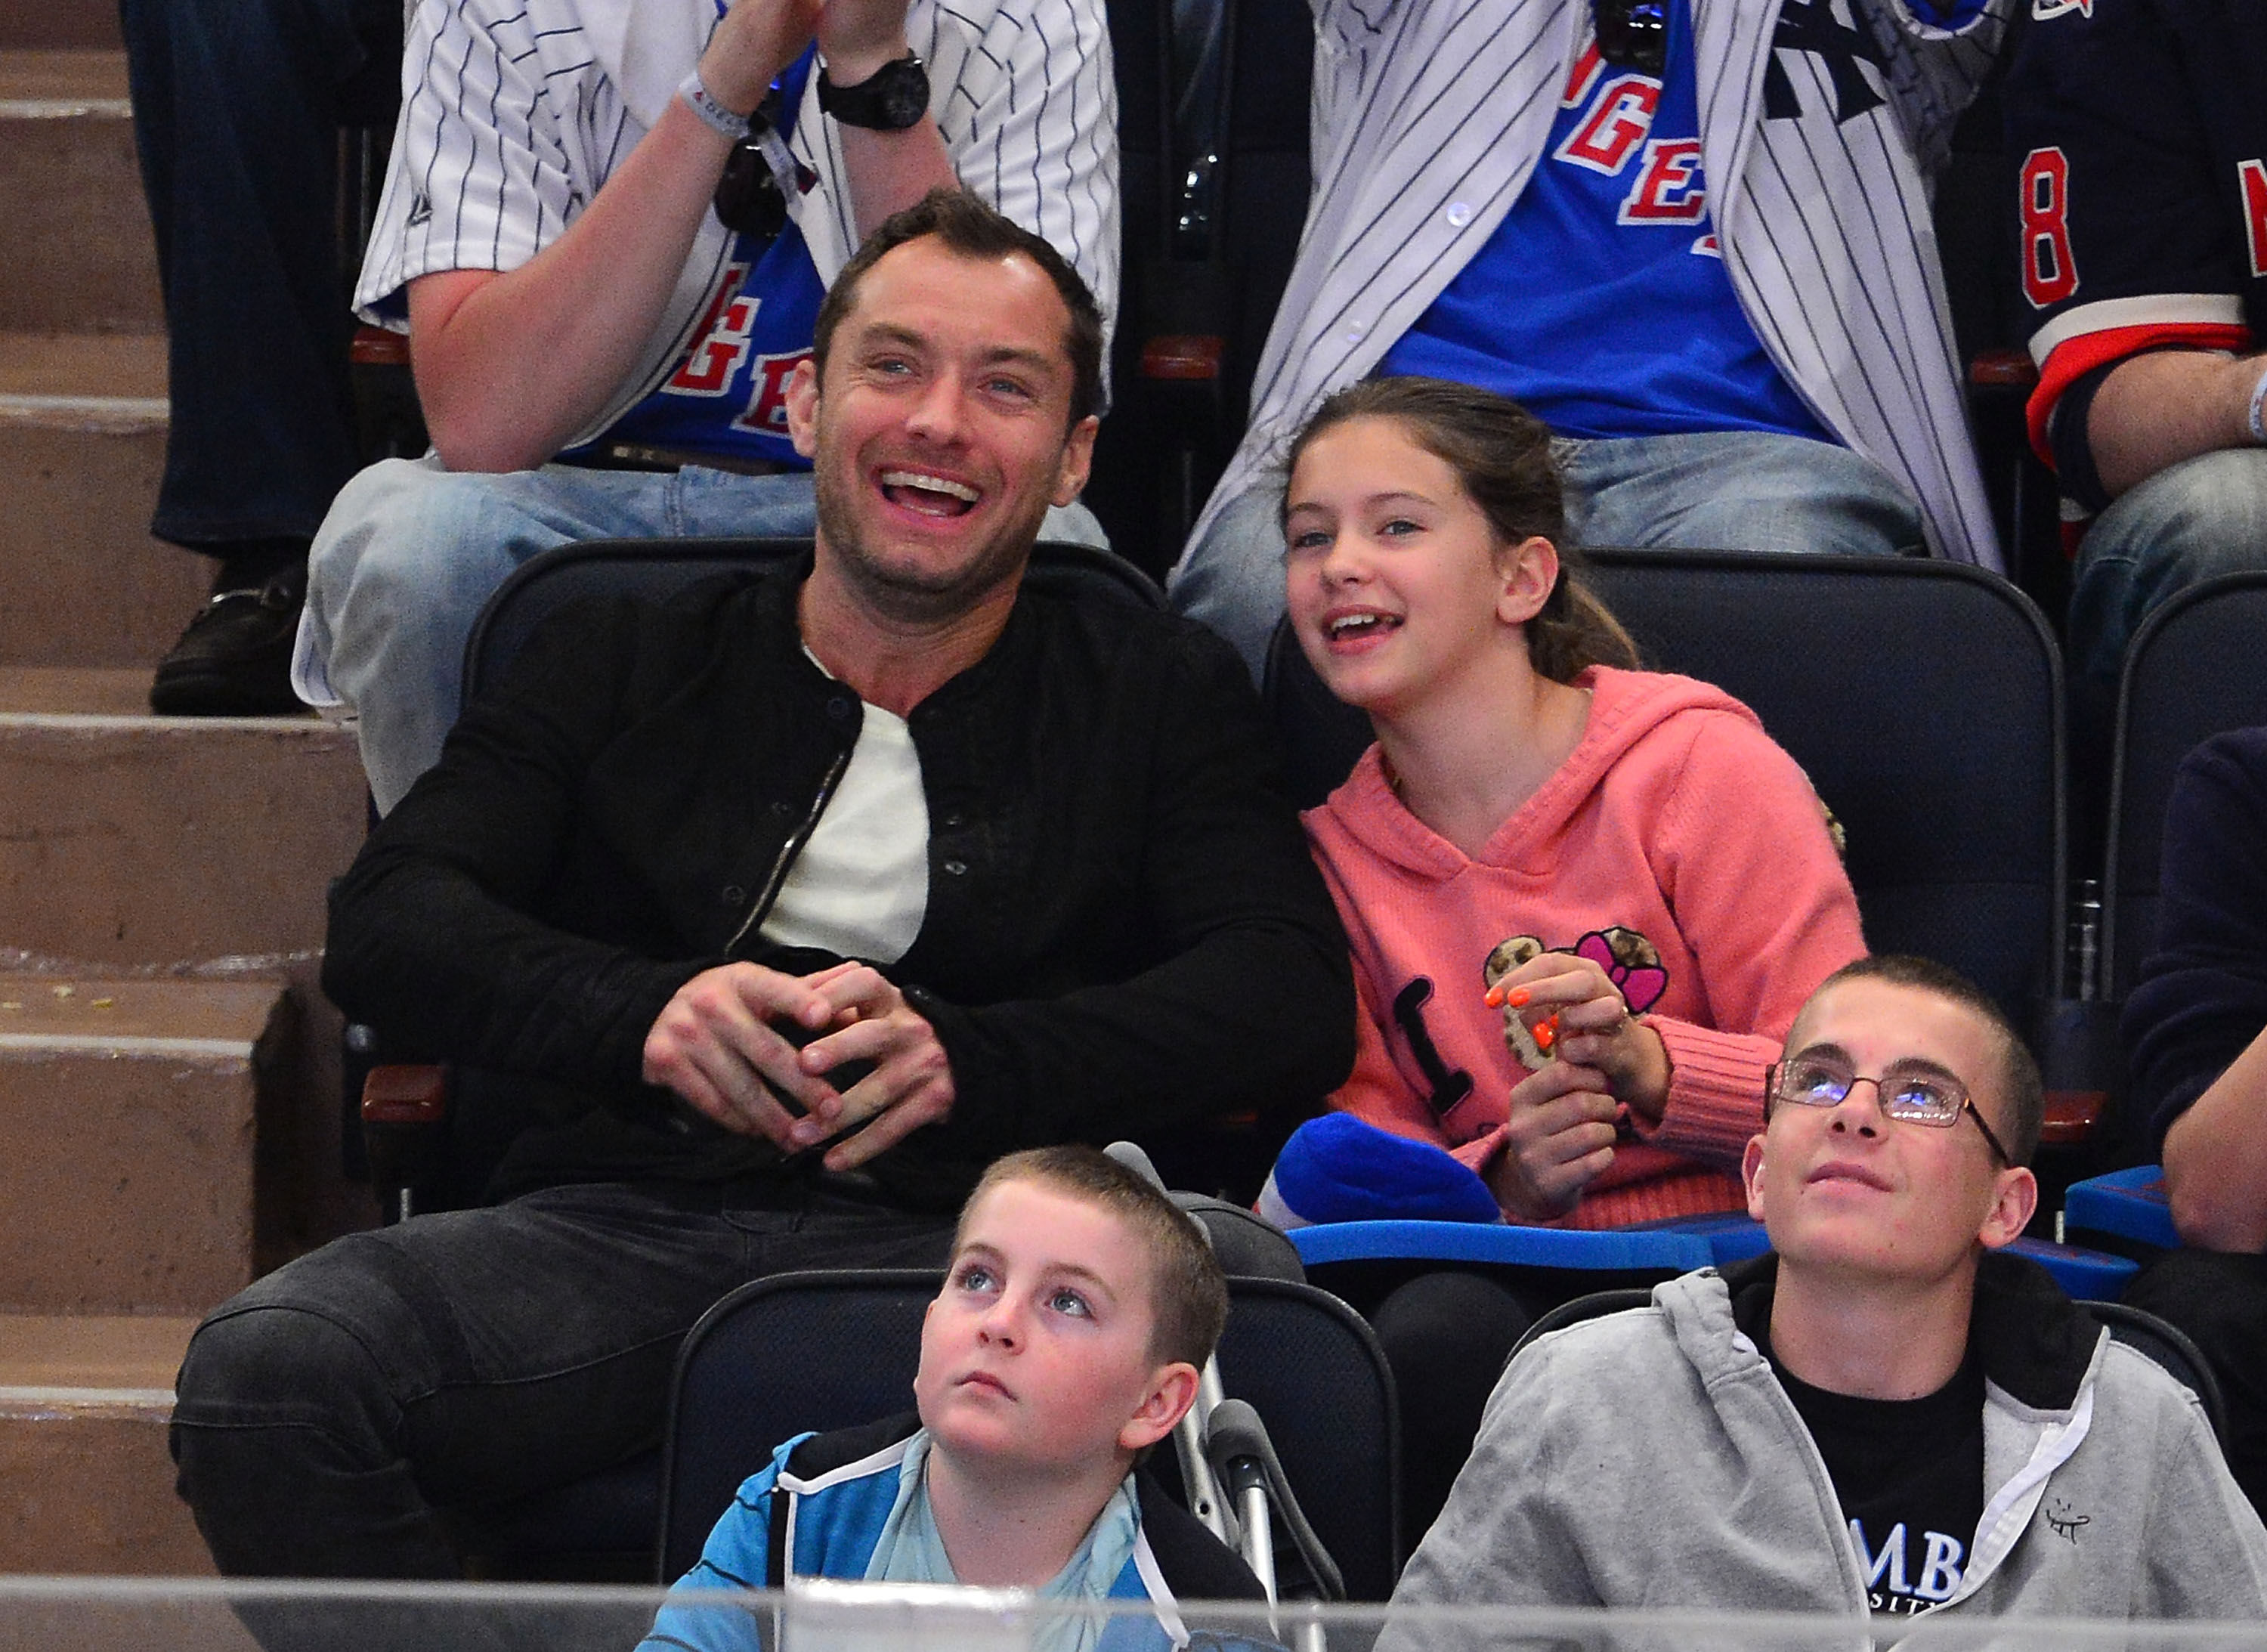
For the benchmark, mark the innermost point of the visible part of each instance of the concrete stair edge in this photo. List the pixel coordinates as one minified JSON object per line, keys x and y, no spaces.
{"x":85,"y":1481}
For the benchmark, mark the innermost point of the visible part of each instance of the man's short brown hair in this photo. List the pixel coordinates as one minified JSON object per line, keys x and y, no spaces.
{"x":2022,"y":1093}
{"x":973,"y":230}
{"x":1188,"y":1293}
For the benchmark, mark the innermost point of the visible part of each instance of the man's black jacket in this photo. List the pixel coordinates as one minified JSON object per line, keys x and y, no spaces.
{"x":1124,"y":931}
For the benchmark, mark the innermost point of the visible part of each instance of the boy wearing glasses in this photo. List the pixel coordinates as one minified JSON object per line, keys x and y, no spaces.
{"x":1882,"y":1415}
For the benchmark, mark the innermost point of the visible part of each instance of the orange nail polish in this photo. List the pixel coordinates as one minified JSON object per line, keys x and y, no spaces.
{"x":1495,"y":998}
{"x":1516,"y":997}
{"x":1546,"y":1033}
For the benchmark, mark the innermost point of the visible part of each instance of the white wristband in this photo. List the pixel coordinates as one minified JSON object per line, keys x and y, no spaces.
{"x":713,"y":114}
{"x":2259,"y":409}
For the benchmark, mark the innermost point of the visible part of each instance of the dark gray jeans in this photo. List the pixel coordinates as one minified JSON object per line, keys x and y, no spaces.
{"x":466,"y":1357}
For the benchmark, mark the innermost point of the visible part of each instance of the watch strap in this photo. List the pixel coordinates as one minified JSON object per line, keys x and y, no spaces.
{"x":893,"y":98}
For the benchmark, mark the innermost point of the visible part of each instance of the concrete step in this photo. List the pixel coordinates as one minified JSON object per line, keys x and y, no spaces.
{"x":82,"y":448}
{"x":82,"y":259}
{"x":136,"y":840}
{"x":50,"y":22}
{"x":86,"y":1484}
{"x":167,"y":848}
{"x":127,"y":1118}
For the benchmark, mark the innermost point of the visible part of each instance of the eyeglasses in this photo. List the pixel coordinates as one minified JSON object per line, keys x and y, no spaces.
{"x":1907,"y":1092}
{"x":1632,"y":33}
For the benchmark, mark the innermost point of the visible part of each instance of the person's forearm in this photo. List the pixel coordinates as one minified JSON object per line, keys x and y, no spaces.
{"x":888,"y":171}
{"x":891,"y":170}
{"x":2158,"y":409}
{"x":445,"y":970}
{"x":510,"y":365}
{"x":2216,"y":1159}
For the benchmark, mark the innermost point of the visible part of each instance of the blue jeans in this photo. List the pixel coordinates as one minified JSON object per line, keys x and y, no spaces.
{"x":2203,"y":517}
{"x":237,"y":107}
{"x":411,"y":551}
{"x":464,"y":1358}
{"x":1728,"y":490}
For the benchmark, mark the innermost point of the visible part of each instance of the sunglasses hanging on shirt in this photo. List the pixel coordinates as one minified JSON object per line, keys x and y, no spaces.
{"x":1632,"y":33}
{"x":751,"y":196}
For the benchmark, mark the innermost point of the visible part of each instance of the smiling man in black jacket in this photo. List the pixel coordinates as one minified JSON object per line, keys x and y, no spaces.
{"x":801,"y":898}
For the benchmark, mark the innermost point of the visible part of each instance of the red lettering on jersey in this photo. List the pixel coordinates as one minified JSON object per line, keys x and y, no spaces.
{"x":1583,"y":76}
{"x":2050,"y":271}
{"x":1615,"y":125}
{"x":1709,"y":247}
{"x":1668,"y":189}
{"x":722,"y":340}
{"x":2252,"y":175}
{"x":767,"y":409}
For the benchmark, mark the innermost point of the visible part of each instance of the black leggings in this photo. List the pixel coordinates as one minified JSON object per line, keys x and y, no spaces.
{"x":1447,"y":1336}
{"x":2220,"y":1301}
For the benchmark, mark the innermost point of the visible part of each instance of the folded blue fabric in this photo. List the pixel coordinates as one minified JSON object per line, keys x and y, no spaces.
{"x":1338,"y":1168}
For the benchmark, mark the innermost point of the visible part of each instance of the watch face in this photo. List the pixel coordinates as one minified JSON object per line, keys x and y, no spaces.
{"x":893,"y":99}
{"x":902,"y":94}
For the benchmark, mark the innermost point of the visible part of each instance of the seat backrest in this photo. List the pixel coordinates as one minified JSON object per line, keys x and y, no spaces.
{"x":1213,"y":111}
{"x":657,"y":569}
{"x":1923,"y":698}
{"x":1589,"y":1307}
{"x":2169,"y":1346}
{"x":817,"y":1350}
{"x":827,"y":1350}
{"x":2192,"y":672}
{"x":1315,"y":1373}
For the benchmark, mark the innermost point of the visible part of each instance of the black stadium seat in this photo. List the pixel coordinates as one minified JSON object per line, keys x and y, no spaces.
{"x":833,"y":1349}
{"x":2193,"y":672}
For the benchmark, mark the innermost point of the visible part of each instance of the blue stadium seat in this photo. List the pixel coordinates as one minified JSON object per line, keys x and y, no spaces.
{"x":2128,"y":1205}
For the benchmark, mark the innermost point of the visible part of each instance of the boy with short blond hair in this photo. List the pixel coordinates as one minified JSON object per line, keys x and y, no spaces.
{"x":1079,"y":1308}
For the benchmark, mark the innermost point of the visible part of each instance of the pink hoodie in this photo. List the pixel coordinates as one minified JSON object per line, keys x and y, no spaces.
{"x":1677,"y":817}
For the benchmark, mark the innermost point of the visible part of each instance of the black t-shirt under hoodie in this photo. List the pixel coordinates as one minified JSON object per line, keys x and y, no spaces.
{"x":1909,"y":1474}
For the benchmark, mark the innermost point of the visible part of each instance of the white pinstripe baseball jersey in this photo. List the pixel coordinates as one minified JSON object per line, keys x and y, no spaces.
{"x":515,"y":112}
{"x":1429,"y":116}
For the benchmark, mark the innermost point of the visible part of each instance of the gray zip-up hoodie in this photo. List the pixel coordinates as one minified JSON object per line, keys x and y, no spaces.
{"x":1650,"y":1459}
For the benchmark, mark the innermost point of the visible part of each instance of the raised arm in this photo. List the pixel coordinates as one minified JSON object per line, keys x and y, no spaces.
{"x":887,"y":170}
{"x":511,"y":362}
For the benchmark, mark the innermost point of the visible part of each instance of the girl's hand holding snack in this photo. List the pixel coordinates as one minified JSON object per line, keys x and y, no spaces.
{"x":1558,"y":1139}
{"x":1589,"y":1025}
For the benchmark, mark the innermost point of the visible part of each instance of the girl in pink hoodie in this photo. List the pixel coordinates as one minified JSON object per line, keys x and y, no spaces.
{"x":1623,"y":861}
{"x":1620,"y":862}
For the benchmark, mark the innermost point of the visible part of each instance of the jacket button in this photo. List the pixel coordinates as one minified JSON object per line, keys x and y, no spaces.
{"x":953,"y":821}
{"x":839,"y":708}
{"x":957,"y":868}
{"x":781,"y":809}
{"x":733,"y":894}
